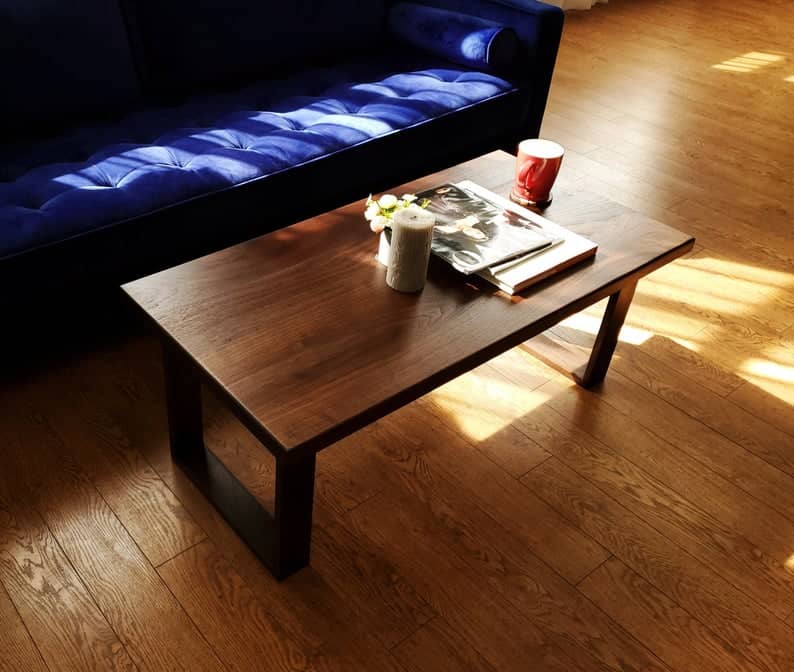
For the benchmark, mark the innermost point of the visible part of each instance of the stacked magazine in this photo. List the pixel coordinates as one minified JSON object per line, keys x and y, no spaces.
{"x":480,"y":232}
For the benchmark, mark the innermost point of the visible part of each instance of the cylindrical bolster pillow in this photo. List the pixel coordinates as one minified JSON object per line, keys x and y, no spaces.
{"x":459,"y":38}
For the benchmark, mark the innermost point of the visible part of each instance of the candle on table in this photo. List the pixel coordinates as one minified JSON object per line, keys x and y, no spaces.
{"x":412,"y":233}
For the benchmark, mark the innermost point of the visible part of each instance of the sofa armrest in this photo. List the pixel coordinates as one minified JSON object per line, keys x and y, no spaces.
{"x":539,"y":29}
{"x":459,"y":38}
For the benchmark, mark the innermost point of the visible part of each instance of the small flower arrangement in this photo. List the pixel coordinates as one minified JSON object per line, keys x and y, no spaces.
{"x":380,"y":212}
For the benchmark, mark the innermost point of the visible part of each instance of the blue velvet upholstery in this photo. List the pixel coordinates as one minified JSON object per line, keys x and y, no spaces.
{"x":163,"y":156}
{"x":265,"y":97}
{"x":61,"y":61}
{"x":539,"y":28}
{"x":458,"y":38}
{"x":186,"y":44}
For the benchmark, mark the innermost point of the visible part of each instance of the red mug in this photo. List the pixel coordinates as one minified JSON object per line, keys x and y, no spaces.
{"x":537,"y":165}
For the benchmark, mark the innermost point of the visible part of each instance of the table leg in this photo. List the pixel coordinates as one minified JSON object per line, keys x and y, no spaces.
{"x":282,"y":541}
{"x":183,"y":401}
{"x":293,"y":514}
{"x":607,"y":339}
{"x":566,"y":357}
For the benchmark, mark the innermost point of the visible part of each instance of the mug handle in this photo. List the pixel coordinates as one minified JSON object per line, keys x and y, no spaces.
{"x":528,"y":169}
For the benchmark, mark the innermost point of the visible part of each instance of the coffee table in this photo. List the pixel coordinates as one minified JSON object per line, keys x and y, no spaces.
{"x":299,"y":335}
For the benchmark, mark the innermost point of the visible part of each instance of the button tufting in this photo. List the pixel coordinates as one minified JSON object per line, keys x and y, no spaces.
{"x":274,"y":122}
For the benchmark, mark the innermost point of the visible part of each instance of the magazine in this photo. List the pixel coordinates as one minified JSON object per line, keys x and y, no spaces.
{"x":515,"y":276}
{"x":473,"y":234}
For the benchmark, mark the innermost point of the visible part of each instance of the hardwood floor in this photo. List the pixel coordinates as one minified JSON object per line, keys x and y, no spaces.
{"x":510,"y":520}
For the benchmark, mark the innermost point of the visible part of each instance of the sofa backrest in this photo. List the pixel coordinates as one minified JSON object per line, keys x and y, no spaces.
{"x":60,"y":62}
{"x":187,"y":44}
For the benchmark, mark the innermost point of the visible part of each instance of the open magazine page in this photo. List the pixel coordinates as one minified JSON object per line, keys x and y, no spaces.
{"x":517,"y":274}
{"x":472,"y":234}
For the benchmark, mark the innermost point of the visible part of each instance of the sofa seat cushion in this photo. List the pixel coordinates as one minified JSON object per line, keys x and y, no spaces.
{"x":160,"y":157}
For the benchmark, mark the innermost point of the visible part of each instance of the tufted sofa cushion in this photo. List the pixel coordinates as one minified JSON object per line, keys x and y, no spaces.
{"x":159,"y":157}
{"x":186,"y":44}
{"x":61,"y":61}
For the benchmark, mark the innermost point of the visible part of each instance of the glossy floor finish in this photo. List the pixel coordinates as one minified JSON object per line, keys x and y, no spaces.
{"x":508,"y":521}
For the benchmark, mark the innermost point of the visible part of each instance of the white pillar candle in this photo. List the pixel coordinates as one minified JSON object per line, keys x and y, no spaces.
{"x":412,"y":233}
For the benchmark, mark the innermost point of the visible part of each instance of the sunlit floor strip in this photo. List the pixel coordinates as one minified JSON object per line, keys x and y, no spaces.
{"x":752,"y":60}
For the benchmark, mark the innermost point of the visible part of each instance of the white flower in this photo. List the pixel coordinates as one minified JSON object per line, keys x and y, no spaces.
{"x":372,"y":211}
{"x":377,"y":224}
{"x":387,"y":201}
{"x":409,"y":198}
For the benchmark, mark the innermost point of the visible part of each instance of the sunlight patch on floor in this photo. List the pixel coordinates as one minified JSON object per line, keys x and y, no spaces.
{"x":590,"y":324}
{"x":482,"y":410}
{"x":775,"y":388}
{"x":705,"y":299}
{"x":708,"y":274}
{"x":735,"y":270}
{"x":749,"y":62}
{"x":725,"y":281}
{"x":770,"y":370}
{"x":708,"y":289}
{"x":705,"y":303}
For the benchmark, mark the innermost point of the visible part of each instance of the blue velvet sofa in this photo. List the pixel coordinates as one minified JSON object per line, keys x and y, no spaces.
{"x":139,"y":133}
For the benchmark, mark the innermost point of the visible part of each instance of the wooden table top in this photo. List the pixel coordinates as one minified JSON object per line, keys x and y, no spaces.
{"x":301,"y":334}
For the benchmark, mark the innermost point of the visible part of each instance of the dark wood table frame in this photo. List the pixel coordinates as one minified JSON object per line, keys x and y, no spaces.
{"x":591,"y":372}
{"x":282,"y":540}
{"x":265,"y":383}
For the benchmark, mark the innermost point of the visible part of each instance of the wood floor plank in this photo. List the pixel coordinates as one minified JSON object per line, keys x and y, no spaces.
{"x":683,"y":642}
{"x":226,"y":611}
{"x":393,"y":610}
{"x":154,"y":628}
{"x":386,"y":600}
{"x":69,"y":630}
{"x":743,"y":295}
{"x":733,"y":507}
{"x":17,"y":650}
{"x":730,"y":615}
{"x":344,"y":630}
{"x":729,"y":419}
{"x":418,"y":488}
{"x":709,"y":126}
{"x":764,"y":578}
{"x":768,"y":407}
{"x":761,"y":358}
{"x":679,"y":354}
{"x":149,"y":511}
{"x":739,"y":466}
{"x":643,"y":193}
{"x":716,"y":453}
{"x":732,"y":236}
{"x":699,"y":366}
{"x":486,"y":620}
{"x":540,"y":528}
{"x":746,"y":566}
{"x":482,"y":407}
{"x":687,"y":177}
{"x":324,"y":623}
{"x":436,"y":646}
